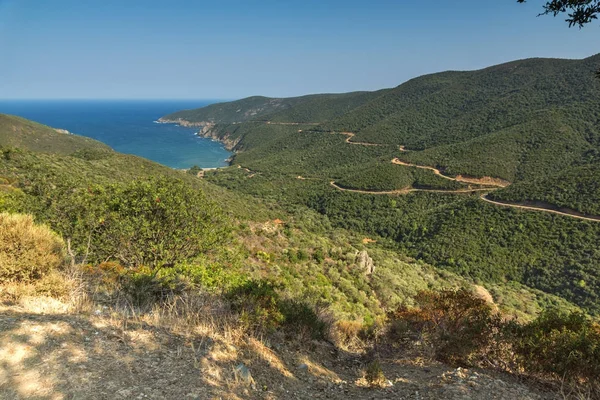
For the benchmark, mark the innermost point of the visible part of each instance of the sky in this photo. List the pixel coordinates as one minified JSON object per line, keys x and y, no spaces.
{"x":226,"y":49}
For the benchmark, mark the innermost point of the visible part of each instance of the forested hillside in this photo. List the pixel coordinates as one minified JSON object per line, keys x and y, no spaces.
{"x":531,"y":124}
{"x":102,"y":201}
{"x":138,"y":242}
{"x":311,"y":108}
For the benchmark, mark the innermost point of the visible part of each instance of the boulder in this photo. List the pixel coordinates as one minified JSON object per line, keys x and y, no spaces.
{"x":365,"y":263}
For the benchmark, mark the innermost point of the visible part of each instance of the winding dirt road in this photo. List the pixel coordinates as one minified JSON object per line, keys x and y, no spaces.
{"x":407,"y":190}
{"x":572,"y":214}
{"x":486,"y":180}
{"x":490,"y":182}
{"x":350,"y":135}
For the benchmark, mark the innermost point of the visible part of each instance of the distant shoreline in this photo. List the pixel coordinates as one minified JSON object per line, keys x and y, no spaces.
{"x":207,"y":132}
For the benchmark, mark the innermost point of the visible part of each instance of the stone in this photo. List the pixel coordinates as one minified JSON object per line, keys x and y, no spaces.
{"x":365,"y":262}
{"x":303,"y":367}
{"x":242,"y":374}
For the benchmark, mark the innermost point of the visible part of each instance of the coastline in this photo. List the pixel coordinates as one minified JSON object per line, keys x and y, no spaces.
{"x":207,"y":131}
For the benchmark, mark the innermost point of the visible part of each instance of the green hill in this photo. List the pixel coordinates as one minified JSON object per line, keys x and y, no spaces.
{"x":78,"y":195}
{"x":308,"y":109}
{"x":534,"y":123}
{"x":300,"y":264}
{"x":21,"y":133}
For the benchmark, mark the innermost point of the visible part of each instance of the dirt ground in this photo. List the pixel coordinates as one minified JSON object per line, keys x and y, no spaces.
{"x":50,"y":352}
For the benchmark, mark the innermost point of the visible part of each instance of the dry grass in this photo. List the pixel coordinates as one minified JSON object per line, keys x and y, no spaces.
{"x":27,"y":251}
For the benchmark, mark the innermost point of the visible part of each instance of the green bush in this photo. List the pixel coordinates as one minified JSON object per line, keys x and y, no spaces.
{"x":257,"y":304}
{"x":27,"y":251}
{"x":564,"y":345}
{"x":194,"y":170}
{"x":261,"y":309}
{"x":302,"y":318}
{"x":156,"y":222}
{"x":374,"y":374}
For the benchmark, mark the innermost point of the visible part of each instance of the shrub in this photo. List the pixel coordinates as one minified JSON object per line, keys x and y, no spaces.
{"x":302,"y":255}
{"x":319,"y":255}
{"x":374,"y":374}
{"x":194,"y":170}
{"x":348,"y":333}
{"x":257,"y":303}
{"x":264,"y":256}
{"x":143,"y":287}
{"x":27,"y":251}
{"x":261,"y":309}
{"x":158,"y":222}
{"x":564,"y":345}
{"x":300,"y":317}
{"x":459,"y":325}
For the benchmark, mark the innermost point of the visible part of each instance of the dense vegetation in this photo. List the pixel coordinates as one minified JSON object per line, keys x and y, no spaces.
{"x":576,"y":188}
{"x":130,"y":211}
{"x":533,"y":122}
{"x":522,"y":121}
{"x":27,"y":251}
{"x":311,"y":108}
{"x":150,"y":234}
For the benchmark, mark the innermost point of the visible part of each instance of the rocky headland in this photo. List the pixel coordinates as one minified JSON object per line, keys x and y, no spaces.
{"x":207,"y":130}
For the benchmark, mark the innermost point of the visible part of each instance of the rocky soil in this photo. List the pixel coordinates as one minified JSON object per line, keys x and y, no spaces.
{"x":50,"y":352}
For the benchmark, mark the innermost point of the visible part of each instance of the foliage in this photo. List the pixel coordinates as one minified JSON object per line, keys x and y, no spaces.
{"x":155,"y":222}
{"x":388,"y":176}
{"x":459,"y":325}
{"x":552,"y":253}
{"x":28,"y":251}
{"x":374,"y":374}
{"x":580,"y":12}
{"x":194,"y":170}
{"x":575,"y":188}
{"x":261,"y":308}
{"x":566,"y":345}
{"x":462,"y":328}
{"x":532,"y":122}
{"x":300,"y":318}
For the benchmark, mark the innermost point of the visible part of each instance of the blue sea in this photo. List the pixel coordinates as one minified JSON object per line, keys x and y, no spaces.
{"x":128,"y":127}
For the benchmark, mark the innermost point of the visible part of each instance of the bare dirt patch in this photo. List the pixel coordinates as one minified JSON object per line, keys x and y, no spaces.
{"x":101,"y":354}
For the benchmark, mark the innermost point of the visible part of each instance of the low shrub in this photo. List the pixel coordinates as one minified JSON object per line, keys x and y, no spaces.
{"x":565,"y":345}
{"x":261,"y":309}
{"x":27,"y":251}
{"x":300,"y":317}
{"x":457,"y":324}
{"x":348,"y":334}
{"x":463,"y":329}
{"x":257,"y":304}
{"x":374,"y":374}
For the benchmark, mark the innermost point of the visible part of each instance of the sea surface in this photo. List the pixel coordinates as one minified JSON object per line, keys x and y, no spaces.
{"x":128,"y":127}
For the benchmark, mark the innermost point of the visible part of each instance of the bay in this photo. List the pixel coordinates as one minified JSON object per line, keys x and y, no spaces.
{"x":128,"y":126}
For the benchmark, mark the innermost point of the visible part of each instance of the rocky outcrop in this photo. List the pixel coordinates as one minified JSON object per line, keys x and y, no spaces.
{"x":183,"y":122}
{"x":365,"y":262}
{"x":206,"y":130}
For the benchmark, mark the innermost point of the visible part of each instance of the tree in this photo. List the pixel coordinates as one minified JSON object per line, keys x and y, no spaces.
{"x":580,"y":12}
{"x":156,"y":222}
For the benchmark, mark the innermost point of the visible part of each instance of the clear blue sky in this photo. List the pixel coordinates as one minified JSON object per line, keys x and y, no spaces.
{"x":230,"y":49}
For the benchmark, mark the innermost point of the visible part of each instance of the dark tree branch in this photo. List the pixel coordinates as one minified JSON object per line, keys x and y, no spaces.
{"x":580,"y":12}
